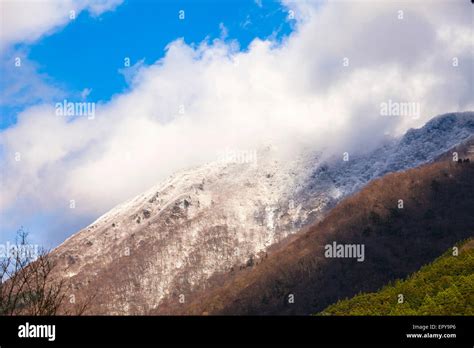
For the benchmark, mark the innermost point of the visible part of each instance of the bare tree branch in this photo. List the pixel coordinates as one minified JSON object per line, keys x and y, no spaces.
{"x":27,"y":286}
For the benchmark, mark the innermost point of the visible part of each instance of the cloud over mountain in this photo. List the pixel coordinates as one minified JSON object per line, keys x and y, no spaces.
{"x":321,"y":86}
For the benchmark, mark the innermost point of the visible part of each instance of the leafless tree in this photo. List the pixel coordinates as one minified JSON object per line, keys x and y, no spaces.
{"x":27,"y":286}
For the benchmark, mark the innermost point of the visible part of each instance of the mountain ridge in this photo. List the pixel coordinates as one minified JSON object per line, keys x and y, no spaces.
{"x":173,"y":238}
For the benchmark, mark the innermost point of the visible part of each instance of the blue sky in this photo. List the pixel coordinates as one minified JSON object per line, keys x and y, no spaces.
{"x":89,"y":52}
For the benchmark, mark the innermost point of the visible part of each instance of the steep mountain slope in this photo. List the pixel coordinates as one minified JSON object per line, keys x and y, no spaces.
{"x":444,"y":287}
{"x":299,"y":278}
{"x":181,"y":235}
{"x":171,"y":239}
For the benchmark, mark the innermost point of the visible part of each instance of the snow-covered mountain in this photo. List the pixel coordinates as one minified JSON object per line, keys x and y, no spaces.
{"x":213,"y":219}
{"x":416,"y":147}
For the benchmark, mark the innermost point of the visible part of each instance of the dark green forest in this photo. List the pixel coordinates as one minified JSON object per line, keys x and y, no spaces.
{"x":443,"y":287}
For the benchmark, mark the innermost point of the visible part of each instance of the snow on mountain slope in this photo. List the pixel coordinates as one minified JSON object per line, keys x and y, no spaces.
{"x":416,"y":147}
{"x":171,"y":239}
{"x":194,"y":224}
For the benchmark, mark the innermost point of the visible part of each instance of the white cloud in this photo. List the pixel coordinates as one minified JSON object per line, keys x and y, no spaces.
{"x":295,"y":92}
{"x":28,"y":20}
{"x":23,"y":85}
{"x":224,"y":31}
